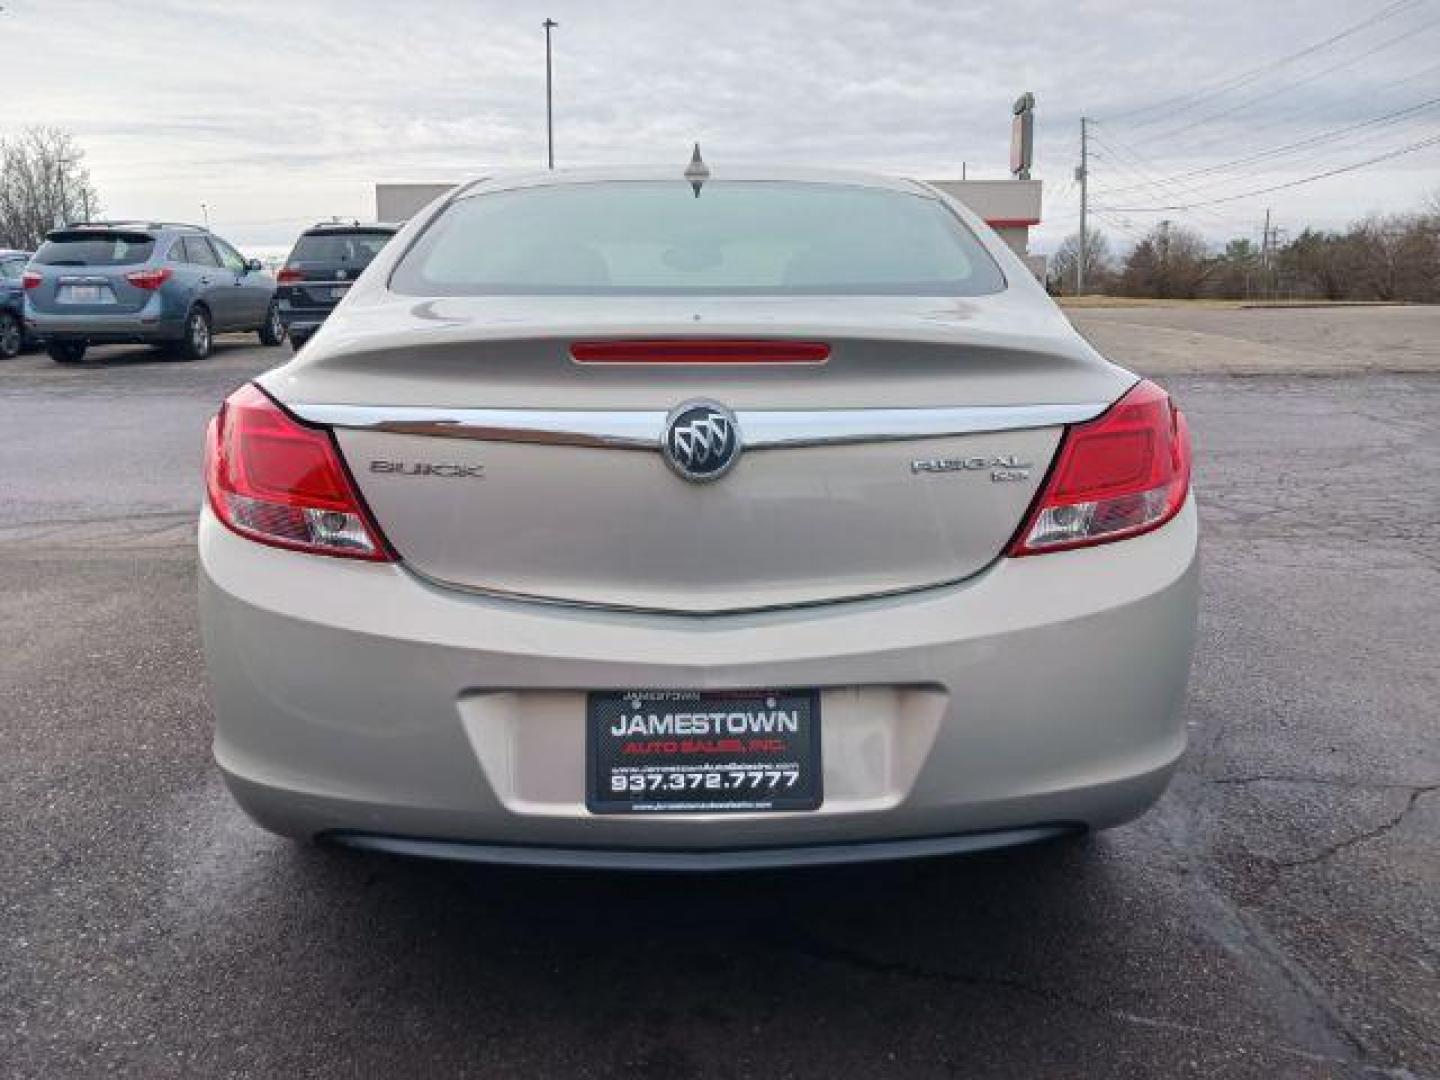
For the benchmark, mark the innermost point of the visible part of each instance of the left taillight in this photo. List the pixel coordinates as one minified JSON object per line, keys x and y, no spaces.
{"x":1122,"y":474}
{"x":275,"y":480}
{"x":31,"y":279}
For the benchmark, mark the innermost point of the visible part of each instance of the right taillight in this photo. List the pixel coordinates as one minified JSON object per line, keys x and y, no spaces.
{"x":288,"y":276}
{"x":1123,"y":473}
{"x":150,"y":279}
{"x":275,"y":480}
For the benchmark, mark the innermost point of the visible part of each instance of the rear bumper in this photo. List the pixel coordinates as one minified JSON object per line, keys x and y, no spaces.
{"x":301,"y":320}
{"x":763,"y":858}
{"x":355,"y":702}
{"x":302,"y":326}
{"x":136,"y":328}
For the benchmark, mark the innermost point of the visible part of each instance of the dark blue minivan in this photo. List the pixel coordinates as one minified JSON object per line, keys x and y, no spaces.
{"x":174,"y":286}
{"x":12,"y":303}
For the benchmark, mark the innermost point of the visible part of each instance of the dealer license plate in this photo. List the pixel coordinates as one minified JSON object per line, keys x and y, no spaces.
{"x":691,"y":751}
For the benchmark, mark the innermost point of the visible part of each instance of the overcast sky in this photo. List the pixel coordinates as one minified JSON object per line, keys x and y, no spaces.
{"x":280,"y":113}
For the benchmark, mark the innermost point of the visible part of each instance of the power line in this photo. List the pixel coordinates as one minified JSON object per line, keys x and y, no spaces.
{"x":1156,"y":188}
{"x":1283,"y":117}
{"x":1280,"y":151}
{"x":1297,"y":165}
{"x":1143,"y":170}
{"x":1177,"y":104}
{"x":1268,"y":95}
{"x":1122,"y":226}
{"x":1420,"y":145}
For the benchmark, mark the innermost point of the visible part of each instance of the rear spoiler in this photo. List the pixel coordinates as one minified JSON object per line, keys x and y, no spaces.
{"x":130,"y":234}
{"x":124,"y":225}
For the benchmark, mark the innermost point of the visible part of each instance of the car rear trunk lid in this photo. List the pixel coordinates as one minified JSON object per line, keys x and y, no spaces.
{"x":905,"y":460}
{"x":323,"y":266}
{"x":83,"y":272}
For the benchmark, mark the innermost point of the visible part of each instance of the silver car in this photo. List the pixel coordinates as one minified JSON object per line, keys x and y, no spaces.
{"x":626,"y":519}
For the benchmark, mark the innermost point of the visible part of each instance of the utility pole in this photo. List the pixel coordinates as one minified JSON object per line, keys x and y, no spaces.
{"x":1265,"y":255}
{"x":549,"y":24}
{"x":1082,"y":176}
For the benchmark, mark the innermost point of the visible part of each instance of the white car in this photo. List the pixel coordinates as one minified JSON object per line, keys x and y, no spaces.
{"x":622,"y":518}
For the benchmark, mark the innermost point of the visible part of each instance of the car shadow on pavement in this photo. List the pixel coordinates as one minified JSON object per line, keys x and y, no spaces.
{"x":728,"y":953}
{"x":146,"y":355}
{"x":940,"y":963}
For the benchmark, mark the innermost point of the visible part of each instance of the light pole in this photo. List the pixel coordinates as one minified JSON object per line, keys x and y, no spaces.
{"x":205,"y":213}
{"x":1082,"y":174}
{"x":549,"y":24}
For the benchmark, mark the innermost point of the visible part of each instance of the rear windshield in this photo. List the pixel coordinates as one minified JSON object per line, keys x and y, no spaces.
{"x":350,"y":248}
{"x":91,"y":249}
{"x":659,"y":238}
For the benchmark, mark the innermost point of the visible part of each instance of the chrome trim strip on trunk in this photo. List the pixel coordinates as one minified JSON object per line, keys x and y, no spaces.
{"x":492,"y":592}
{"x":643,"y":430}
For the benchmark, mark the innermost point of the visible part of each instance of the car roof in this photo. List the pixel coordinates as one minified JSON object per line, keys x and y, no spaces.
{"x":351,"y":226}
{"x":600,"y":174}
{"x":137,"y":226}
{"x":6,"y":253}
{"x":343,"y":228}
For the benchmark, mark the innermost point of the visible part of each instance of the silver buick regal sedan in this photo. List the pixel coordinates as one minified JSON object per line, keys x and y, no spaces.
{"x":730,"y":519}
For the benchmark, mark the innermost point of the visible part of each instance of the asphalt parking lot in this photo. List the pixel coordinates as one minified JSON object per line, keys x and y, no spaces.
{"x":1277,"y":915}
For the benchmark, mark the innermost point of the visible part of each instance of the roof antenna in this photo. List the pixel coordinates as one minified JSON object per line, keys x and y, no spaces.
{"x":697,"y":172}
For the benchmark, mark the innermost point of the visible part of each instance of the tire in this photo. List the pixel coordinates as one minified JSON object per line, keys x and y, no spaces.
{"x":273,"y":332}
{"x":66,"y":352}
{"x":12,"y":336}
{"x":198,"y":339}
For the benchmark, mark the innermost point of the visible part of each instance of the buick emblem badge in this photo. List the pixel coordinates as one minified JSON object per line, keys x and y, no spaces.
{"x":701,"y":441}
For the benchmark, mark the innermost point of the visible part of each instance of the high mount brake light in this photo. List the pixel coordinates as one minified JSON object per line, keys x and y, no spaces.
{"x":150,"y":280}
{"x":699,"y":351}
{"x":1122,"y":474}
{"x":275,"y":480}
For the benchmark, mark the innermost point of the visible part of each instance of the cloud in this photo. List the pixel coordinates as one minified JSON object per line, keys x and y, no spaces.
{"x":278,"y":112}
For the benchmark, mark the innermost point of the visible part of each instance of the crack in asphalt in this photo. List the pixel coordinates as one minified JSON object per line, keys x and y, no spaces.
{"x":164,"y":528}
{"x":1325,"y":781}
{"x":1417,"y":792}
{"x":1331,"y":850}
{"x":1296,"y":997}
{"x":829,"y":952}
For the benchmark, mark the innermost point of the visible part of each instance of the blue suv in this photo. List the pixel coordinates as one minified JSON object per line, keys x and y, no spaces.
{"x":12,"y":303}
{"x":174,"y":286}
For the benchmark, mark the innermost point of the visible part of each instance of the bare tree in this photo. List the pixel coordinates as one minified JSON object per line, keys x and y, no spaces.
{"x":1099,"y":264}
{"x":43,"y":184}
{"x":1171,"y":261}
{"x":1323,"y":263}
{"x":1237,"y":270}
{"x":1420,"y":258}
{"x":1380,"y":243}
